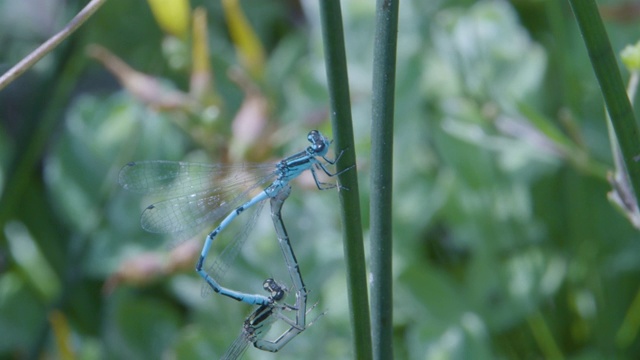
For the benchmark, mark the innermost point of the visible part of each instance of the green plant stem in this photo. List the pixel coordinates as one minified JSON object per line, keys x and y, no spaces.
{"x":614,"y":93}
{"x":384,"y":64}
{"x":337,"y":78}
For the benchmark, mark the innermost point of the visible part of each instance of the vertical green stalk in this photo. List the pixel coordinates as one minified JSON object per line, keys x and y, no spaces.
{"x":608,"y":75}
{"x":338,"y":82}
{"x":384,"y":65}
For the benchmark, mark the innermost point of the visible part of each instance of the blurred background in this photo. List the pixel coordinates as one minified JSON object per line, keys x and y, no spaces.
{"x":505,"y":243}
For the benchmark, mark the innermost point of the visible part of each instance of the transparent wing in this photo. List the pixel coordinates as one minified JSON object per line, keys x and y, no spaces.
{"x":196,"y":194}
{"x":238,"y":347}
{"x":222,"y":262}
{"x":175,"y":178}
{"x":254,"y":328}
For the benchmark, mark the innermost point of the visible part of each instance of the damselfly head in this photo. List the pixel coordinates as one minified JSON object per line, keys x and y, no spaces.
{"x":319,"y":143}
{"x":277,"y":291}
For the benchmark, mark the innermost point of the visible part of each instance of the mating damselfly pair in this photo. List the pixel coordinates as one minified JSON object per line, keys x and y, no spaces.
{"x":198,"y":195}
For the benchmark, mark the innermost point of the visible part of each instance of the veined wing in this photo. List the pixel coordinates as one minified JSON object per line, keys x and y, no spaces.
{"x":192,"y":212}
{"x":197,"y":194}
{"x":176,"y":178}
{"x":238,"y":347}
{"x":254,"y":328}
{"x":223,"y":262}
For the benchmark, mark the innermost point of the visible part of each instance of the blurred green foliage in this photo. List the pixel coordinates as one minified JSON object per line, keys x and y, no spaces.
{"x":505,"y":243}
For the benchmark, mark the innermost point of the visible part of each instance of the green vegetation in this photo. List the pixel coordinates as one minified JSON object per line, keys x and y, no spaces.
{"x":509,"y":239}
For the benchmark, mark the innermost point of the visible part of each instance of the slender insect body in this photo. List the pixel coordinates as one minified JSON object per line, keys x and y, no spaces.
{"x":198,"y":201}
{"x":255,"y":326}
{"x":202,"y":194}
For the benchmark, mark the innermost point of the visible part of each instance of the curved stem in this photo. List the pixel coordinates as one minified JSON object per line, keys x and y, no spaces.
{"x":28,"y":61}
